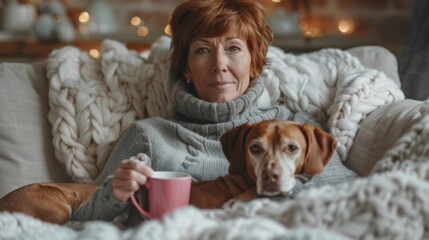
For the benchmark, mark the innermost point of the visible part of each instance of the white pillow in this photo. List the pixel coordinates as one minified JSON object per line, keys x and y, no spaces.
{"x":379,"y":132}
{"x":26,"y":151}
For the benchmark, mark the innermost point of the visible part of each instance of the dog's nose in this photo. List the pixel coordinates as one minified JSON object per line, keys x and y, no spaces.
{"x":270,"y":176}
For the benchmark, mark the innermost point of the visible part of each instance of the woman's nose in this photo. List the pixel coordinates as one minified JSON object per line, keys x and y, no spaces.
{"x":220,"y":62}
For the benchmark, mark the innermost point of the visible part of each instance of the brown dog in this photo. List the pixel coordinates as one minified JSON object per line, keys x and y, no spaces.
{"x":51,"y":202}
{"x":264,"y":158}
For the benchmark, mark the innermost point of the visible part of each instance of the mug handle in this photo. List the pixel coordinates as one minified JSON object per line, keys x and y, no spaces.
{"x":139,"y":208}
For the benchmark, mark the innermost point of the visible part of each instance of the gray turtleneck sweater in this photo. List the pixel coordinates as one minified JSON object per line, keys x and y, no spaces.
{"x":189,"y":142}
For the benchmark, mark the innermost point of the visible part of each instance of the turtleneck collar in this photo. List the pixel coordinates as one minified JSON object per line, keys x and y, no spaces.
{"x":199,"y":111}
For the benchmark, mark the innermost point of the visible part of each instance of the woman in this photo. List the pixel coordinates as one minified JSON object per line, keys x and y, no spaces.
{"x":219,"y":50}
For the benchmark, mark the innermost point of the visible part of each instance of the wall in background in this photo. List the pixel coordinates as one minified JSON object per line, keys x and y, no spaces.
{"x":387,"y":21}
{"x":299,"y":25}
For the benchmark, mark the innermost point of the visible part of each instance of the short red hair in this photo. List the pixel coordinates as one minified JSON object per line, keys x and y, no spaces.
{"x":211,"y":18}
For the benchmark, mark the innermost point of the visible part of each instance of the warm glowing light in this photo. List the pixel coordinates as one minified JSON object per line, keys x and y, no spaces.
{"x":304,"y":26}
{"x":346,"y":26}
{"x":143,"y":31}
{"x":83,"y":17}
{"x":276,"y":1}
{"x":311,"y":32}
{"x":167,"y":30}
{"x":94,"y":53}
{"x":135,"y":21}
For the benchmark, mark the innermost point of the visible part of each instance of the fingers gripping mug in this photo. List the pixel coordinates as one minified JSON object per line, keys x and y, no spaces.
{"x":166,"y":192}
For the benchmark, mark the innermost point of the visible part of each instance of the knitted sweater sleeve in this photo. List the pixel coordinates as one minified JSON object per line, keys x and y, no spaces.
{"x":102,"y":205}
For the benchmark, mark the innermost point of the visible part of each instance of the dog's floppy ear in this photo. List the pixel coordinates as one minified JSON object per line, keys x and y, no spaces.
{"x":321,"y":146}
{"x":233,"y":146}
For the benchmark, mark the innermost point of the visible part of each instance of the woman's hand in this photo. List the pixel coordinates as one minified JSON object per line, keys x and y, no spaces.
{"x":128,"y":177}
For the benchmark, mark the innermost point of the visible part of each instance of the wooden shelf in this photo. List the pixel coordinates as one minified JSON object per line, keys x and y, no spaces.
{"x":19,"y":48}
{"x":301,"y":44}
{"x":25,"y":48}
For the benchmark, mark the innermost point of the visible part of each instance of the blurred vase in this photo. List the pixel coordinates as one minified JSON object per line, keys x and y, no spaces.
{"x":53,"y":24}
{"x":285,"y":23}
{"x":102,"y":17}
{"x":18,"y":18}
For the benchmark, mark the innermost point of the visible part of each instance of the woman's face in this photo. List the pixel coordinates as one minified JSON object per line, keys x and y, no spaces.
{"x":219,"y":68}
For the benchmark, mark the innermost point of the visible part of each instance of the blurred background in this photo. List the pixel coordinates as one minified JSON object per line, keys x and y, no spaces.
{"x":299,"y":25}
{"x":31,"y":29}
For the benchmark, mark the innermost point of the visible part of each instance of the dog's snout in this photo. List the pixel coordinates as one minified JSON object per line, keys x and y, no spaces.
{"x":271,"y":165}
{"x":271,"y":175}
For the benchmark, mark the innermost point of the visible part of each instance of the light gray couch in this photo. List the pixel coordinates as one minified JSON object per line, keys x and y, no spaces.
{"x":27,"y":154}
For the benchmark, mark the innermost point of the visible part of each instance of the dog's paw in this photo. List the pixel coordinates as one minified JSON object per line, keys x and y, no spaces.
{"x":233,"y":203}
{"x":230,"y":204}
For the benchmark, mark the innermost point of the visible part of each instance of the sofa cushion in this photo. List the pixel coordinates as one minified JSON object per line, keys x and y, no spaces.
{"x":379,"y":58}
{"x":379,"y":132}
{"x":26,"y":151}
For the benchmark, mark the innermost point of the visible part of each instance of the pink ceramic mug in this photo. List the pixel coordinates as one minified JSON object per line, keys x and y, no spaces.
{"x":166,"y":192}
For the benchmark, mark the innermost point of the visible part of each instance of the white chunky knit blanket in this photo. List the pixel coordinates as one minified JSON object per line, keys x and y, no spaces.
{"x":391,"y":203}
{"x":93,"y":101}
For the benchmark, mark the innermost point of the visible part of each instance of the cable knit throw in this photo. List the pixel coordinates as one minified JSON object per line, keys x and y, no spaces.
{"x":93,"y":100}
{"x":391,"y":203}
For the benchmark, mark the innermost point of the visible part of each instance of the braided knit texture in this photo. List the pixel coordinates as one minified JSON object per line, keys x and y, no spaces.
{"x":391,"y":203}
{"x":92,"y":101}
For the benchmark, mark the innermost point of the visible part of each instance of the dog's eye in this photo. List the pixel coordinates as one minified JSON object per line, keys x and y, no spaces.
{"x":292,"y":148}
{"x":255,"y":149}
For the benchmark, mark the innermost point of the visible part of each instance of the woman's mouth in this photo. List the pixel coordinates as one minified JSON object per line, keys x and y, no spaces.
{"x":221,"y":85}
